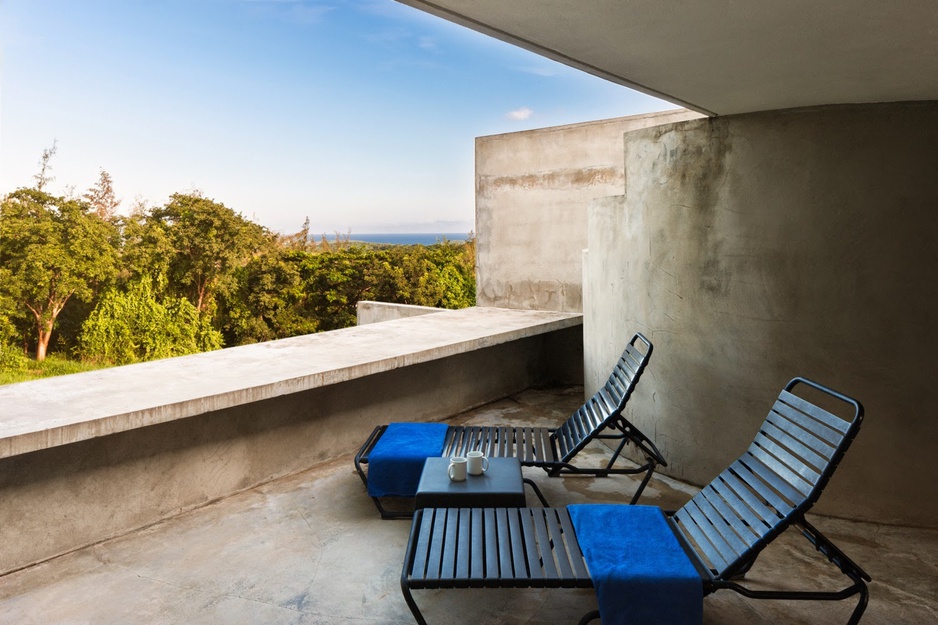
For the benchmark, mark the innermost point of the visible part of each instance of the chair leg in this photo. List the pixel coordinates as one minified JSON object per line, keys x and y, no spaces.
{"x":861,"y":604}
{"x":589,"y":616}
{"x":537,"y":491}
{"x":643,"y":483}
{"x":412,"y":604}
{"x":388,"y":514}
{"x":615,"y":455}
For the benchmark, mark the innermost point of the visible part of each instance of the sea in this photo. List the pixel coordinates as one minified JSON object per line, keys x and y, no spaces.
{"x":407,"y":238}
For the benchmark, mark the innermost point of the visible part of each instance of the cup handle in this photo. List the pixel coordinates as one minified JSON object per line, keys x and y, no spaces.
{"x":485,"y":464}
{"x":449,"y":471}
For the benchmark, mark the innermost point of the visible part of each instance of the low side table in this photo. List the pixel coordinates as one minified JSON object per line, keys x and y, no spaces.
{"x":502,"y":486}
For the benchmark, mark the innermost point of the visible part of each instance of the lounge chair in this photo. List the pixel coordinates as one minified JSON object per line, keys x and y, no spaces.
{"x":717,"y":535}
{"x":552,"y":449}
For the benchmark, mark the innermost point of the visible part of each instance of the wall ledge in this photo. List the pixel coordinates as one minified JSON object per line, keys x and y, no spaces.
{"x":47,"y":413}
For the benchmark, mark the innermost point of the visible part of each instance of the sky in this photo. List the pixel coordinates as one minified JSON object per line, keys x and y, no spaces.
{"x":360,"y":115}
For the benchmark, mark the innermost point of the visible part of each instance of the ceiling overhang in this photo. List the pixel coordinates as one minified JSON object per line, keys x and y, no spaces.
{"x":724,"y":57}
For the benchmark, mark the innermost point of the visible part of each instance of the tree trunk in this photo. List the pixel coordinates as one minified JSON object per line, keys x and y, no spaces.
{"x":45,"y":333}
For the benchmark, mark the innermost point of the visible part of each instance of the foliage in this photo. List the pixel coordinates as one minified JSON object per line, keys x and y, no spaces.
{"x":209,"y":242}
{"x":187,"y":276}
{"x":133,"y":325}
{"x":270,"y":301}
{"x":101,"y":197}
{"x":52,"y":249}
{"x":51,"y":366}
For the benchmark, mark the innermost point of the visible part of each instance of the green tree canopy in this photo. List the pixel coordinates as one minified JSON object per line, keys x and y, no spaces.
{"x":52,"y":249}
{"x":208,"y":241}
{"x":134,"y":325}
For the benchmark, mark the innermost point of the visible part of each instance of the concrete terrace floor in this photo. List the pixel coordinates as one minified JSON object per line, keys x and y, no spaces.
{"x":310,"y":548}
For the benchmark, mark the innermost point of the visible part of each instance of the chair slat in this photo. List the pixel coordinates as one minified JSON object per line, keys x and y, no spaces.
{"x":782,"y":479}
{"x":435,"y":555}
{"x":529,"y":534}
{"x":543,"y":446}
{"x":769,"y":482}
{"x":725,"y":520}
{"x":421,"y":552}
{"x":529,"y":439}
{"x":517,"y":545}
{"x":451,"y":544}
{"x":606,"y":399}
{"x":632,"y":357}
{"x":555,"y":532}
{"x":493,"y":569}
{"x":832,"y":421}
{"x":793,"y":463}
{"x":572,"y":546}
{"x":832,"y":437}
{"x":477,"y":548}
{"x":755,"y":482}
{"x":797,"y":446}
{"x":505,"y":564}
{"x":747,"y":523}
{"x":765,"y":515}
{"x":462,"y":545}
{"x":544,"y":544}
{"x":591,"y":413}
{"x":691,"y":529}
{"x":716,"y":544}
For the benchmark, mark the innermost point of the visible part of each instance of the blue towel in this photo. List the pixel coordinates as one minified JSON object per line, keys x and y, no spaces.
{"x":396,"y":462}
{"x":640,"y":571}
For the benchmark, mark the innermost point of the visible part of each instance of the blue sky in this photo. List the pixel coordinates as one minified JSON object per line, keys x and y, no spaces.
{"x":358,"y":114}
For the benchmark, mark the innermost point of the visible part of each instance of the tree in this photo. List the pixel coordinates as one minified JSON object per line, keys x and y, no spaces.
{"x":208,"y":241}
{"x":44,"y":177}
{"x":52,"y":249}
{"x":101,"y":197}
{"x":270,"y":301}
{"x":135,"y":325}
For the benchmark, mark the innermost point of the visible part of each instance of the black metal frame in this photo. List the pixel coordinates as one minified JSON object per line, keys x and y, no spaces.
{"x":537,"y":548}
{"x":553,"y":449}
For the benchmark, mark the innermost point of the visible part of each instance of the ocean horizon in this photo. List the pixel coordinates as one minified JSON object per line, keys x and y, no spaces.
{"x":404,"y":238}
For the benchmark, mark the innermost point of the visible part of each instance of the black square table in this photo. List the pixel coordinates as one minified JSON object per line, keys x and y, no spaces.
{"x":502,"y":486}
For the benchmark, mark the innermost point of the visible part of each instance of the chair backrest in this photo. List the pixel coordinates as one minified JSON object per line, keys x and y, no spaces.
{"x":606,"y":405}
{"x":770,"y":486}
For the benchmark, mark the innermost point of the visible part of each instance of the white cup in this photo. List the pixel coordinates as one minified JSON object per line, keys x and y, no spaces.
{"x":457,"y":469}
{"x":476,"y":463}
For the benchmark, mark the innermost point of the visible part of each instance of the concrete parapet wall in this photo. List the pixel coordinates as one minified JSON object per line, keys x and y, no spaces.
{"x":532,"y":192}
{"x":751,"y":249}
{"x":375,"y":312}
{"x":133,"y":461}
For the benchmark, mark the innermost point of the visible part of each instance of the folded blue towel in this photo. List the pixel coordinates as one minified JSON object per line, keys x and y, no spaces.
{"x":396,"y":462}
{"x":640,"y":571}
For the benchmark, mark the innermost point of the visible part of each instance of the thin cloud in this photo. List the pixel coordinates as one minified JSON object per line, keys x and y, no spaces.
{"x":297,"y":11}
{"x":519,"y":114}
{"x":427,"y":43}
{"x":537,"y":70}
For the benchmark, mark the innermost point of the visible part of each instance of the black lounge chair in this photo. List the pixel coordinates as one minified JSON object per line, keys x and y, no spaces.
{"x":553,"y":449}
{"x":721,"y":530}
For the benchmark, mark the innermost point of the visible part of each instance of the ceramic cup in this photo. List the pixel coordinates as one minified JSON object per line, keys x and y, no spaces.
{"x":476,"y":463}
{"x":457,"y":468}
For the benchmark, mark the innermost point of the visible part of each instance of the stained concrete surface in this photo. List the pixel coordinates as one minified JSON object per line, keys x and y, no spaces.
{"x":311,"y":549}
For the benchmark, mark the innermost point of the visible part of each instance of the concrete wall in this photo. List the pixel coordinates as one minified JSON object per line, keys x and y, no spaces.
{"x":751,"y":249}
{"x":376,"y":312}
{"x":532,"y":190}
{"x":58,"y":499}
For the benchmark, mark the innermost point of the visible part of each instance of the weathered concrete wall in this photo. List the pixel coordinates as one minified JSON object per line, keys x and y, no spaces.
{"x":751,"y":249}
{"x":376,"y":312}
{"x":532,"y":189}
{"x":61,"y":498}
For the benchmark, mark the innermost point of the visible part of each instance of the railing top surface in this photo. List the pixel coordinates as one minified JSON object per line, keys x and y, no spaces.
{"x":56,"y":411}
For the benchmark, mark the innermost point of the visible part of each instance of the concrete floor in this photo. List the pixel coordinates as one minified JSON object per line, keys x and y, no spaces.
{"x":311,"y":549}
